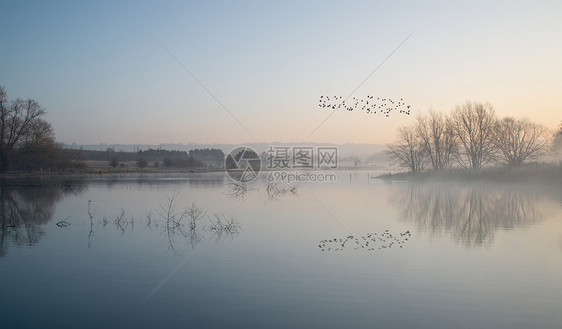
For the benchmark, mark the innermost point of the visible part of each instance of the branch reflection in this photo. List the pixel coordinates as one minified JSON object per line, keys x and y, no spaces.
{"x":469,"y":213}
{"x":173,"y":223}
{"x":24,"y":210}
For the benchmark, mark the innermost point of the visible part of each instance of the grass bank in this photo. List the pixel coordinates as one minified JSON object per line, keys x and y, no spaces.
{"x":542,"y":173}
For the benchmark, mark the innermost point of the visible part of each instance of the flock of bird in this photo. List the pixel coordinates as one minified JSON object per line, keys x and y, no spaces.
{"x":371,"y":241}
{"x":370,"y":104}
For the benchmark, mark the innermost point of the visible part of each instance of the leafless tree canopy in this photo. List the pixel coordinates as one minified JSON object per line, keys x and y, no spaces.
{"x":518,"y":141}
{"x":21,"y":128}
{"x":557,"y":142}
{"x":472,"y":137}
{"x":407,"y":151}
{"x":437,"y":138}
{"x":474,"y":127}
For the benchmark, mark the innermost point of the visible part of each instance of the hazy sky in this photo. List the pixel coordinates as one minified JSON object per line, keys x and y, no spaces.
{"x":103,"y":77}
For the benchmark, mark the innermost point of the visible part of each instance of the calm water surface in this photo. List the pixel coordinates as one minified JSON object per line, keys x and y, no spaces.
{"x":356,"y":253}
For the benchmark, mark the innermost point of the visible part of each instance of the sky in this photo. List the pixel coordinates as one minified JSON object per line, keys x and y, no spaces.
{"x":156,"y":72}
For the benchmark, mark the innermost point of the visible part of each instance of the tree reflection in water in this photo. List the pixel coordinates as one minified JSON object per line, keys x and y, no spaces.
{"x":469,"y":213}
{"x":173,"y":223}
{"x":24,"y":210}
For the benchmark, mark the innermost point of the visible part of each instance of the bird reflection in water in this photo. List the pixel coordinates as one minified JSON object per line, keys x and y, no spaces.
{"x":370,"y":241}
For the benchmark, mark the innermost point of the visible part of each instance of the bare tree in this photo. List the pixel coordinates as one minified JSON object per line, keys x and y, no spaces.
{"x":557,"y":142}
{"x":473,"y":124}
{"x":437,"y":138}
{"x":407,"y":151}
{"x":20,"y":126}
{"x":518,"y":141}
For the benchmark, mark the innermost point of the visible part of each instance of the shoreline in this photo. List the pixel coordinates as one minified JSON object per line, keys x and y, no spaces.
{"x":538,"y":173}
{"x":544,"y":173}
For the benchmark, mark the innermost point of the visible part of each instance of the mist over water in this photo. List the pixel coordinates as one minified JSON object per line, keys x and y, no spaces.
{"x":481,"y":254}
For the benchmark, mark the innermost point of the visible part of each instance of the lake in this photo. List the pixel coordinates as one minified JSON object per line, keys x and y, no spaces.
{"x":192,"y":250}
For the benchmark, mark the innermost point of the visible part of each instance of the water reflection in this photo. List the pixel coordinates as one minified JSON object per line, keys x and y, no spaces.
{"x":24,"y":210}
{"x":223,"y":227}
{"x":238,"y":190}
{"x":370,"y":241}
{"x":469,"y":213}
{"x":195,"y":180}
{"x":273,"y":190}
{"x":173,"y":223}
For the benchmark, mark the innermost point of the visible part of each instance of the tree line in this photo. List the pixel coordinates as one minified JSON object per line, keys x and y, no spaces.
{"x":197,"y":158}
{"x":470,"y":136}
{"x":181,"y":159}
{"x":27,"y":141}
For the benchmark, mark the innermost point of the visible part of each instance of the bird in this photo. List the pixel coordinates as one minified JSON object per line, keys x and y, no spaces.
{"x":387,"y":106}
